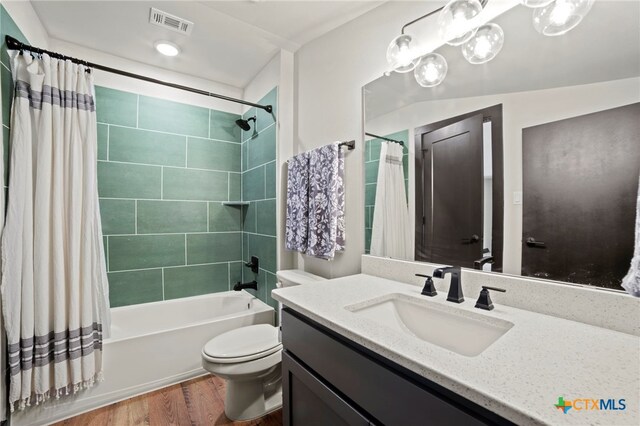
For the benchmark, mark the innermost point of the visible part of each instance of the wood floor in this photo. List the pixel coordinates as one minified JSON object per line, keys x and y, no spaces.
{"x":196,"y":402}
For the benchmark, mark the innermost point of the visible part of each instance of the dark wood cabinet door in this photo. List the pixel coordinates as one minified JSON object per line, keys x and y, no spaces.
{"x":309,"y":402}
{"x":580,"y":183}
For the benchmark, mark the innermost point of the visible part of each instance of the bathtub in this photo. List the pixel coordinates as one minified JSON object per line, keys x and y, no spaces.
{"x":154,"y":345}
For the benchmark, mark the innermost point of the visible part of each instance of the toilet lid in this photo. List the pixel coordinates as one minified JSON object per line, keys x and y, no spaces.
{"x":253,"y":342}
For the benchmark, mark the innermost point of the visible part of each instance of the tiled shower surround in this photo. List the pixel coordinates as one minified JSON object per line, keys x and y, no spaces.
{"x":164,"y":170}
{"x":259,"y":189}
{"x":371,"y":164}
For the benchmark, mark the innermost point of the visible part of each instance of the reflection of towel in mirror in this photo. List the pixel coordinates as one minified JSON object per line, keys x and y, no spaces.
{"x":631,"y":282}
{"x":296,"y":227}
{"x":326,"y":201}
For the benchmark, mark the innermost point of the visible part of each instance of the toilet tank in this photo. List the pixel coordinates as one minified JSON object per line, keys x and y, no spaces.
{"x":291,"y":277}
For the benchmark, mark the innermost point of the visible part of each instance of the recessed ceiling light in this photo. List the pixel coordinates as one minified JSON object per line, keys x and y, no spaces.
{"x":167,"y":48}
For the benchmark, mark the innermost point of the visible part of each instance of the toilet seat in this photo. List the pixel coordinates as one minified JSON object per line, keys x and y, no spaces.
{"x":243,"y":344}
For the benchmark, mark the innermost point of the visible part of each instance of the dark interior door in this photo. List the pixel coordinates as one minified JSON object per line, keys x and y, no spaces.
{"x":452,"y":182}
{"x":580,"y":183}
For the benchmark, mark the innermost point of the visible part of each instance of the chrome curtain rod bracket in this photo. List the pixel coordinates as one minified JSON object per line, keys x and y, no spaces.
{"x":385,"y":139}
{"x":349,"y":144}
{"x":14,"y":44}
{"x":482,"y":2}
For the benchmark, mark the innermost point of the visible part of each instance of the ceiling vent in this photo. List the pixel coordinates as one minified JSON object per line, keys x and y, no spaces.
{"x":169,"y":21}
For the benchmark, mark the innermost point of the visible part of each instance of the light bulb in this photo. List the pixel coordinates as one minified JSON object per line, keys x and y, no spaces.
{"x":484,"y":45}
{"x":561,"y":16}
{"x":400,"y":56}
{"x":167,"y":48}
{"x":431,"y":70}
{"x":456,"y":21}
{"x":482,"y":48}
{"x":535,"y":3}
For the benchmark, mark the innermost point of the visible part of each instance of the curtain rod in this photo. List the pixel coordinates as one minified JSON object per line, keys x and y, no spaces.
{"x":384,"y":139}
{"x":14,"y":44}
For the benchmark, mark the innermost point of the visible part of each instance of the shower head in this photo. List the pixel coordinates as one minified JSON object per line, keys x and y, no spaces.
{"x":244,"y":124}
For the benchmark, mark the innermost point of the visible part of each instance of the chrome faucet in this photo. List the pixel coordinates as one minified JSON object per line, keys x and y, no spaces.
{"x":455,"y":289}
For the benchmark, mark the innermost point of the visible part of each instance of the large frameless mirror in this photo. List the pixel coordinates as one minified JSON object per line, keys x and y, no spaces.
{"x":527,"y":164}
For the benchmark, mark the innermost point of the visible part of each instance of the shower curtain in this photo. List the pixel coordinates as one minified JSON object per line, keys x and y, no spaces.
{"x":54,"y":285}
{"x":390,"y":234}
{"x":631,"y":282}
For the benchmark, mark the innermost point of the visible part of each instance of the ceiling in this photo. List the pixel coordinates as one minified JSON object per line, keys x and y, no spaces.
{"x":605,"y":46}
{"x":231,"y":40}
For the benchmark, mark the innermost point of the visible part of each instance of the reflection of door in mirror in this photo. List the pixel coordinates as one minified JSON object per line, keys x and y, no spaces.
{"x":454,"y":190}
{"x":580,"y":180}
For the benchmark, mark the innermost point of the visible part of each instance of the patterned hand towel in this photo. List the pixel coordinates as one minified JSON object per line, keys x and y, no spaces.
{"x":296,"y":227}
{"x":326,"y":201}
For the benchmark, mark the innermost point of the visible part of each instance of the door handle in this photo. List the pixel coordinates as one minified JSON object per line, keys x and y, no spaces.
{"x":474,"y":239}
{"x":531,"y":242}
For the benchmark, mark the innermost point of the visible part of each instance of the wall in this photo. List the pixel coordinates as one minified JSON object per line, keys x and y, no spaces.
{"x":164,"y":169}
{"x":520,"y":110}
{"x":371,"y":166}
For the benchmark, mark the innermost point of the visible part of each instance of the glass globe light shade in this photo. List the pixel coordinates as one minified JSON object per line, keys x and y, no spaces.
{"x":431,"y":70}
{"x":560,"y":16}
{"x":535,"y":3}
{"x":455,"y":21}
{"x":400,"y":56}
{"x":484,"y":45}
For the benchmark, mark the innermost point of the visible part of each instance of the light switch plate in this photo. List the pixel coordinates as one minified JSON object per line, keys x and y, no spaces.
{"x":517,"y":197}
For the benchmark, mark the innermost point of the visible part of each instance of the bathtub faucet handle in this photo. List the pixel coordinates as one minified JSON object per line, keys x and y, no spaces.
{"x":254,"y":264}
{"x":252,"y":285}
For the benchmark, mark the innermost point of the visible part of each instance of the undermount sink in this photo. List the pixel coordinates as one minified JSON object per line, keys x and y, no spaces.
{"x":466,"y":333}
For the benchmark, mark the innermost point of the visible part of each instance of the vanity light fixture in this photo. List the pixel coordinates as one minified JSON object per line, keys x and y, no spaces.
{"x":484,"y":45}
{"x":431,"y":70}
{"x":458,"y":26}
{"x":399,"y":54}
{"x":455,"y":21}
{"x":167,"y":48}
{"x":560,"y":16}
{"x":535,"y":3}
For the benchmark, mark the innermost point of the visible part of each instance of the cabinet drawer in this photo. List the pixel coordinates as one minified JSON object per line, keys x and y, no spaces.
{"x":387,"y":396}
{"x":309,"y":402}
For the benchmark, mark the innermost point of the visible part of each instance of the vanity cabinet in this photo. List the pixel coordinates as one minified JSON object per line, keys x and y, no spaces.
{"x":330,"y":380}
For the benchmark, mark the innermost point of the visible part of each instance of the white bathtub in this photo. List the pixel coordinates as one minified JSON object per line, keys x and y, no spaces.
{"x":154,"y":345}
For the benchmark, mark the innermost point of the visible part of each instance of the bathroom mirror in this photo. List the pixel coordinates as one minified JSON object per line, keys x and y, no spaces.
{"x":527,"y":164}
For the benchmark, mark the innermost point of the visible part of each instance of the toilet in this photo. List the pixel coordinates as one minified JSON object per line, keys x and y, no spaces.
{"x":249,"y":358}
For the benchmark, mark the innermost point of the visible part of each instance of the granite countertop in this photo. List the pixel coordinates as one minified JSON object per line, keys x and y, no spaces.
{"x":520,"y":376}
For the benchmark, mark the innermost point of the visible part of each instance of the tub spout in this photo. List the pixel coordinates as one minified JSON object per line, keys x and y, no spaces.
{"x":252,"y":285}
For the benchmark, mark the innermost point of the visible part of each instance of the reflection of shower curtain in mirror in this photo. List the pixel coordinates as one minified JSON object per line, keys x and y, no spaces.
{"x":390,"y":234}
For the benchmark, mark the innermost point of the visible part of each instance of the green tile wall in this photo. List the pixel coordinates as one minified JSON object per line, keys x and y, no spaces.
{"x":7,"y":27}
{"x":164,"y":170}
{"x":371,"y":163}
{"x":259,"y":188}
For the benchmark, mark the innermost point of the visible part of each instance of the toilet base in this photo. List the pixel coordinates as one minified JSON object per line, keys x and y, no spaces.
{"x":250,"y":399}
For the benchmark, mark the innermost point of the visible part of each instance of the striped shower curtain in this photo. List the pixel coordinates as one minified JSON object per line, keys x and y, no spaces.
{"x":54,"y":286}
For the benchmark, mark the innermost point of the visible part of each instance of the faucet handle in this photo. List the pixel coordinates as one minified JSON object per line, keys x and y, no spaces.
{"x":429,"y":288}
{"x":484,"y":301}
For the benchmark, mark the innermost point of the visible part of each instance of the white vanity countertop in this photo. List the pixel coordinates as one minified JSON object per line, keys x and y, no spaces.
{"x":519,"y":377}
